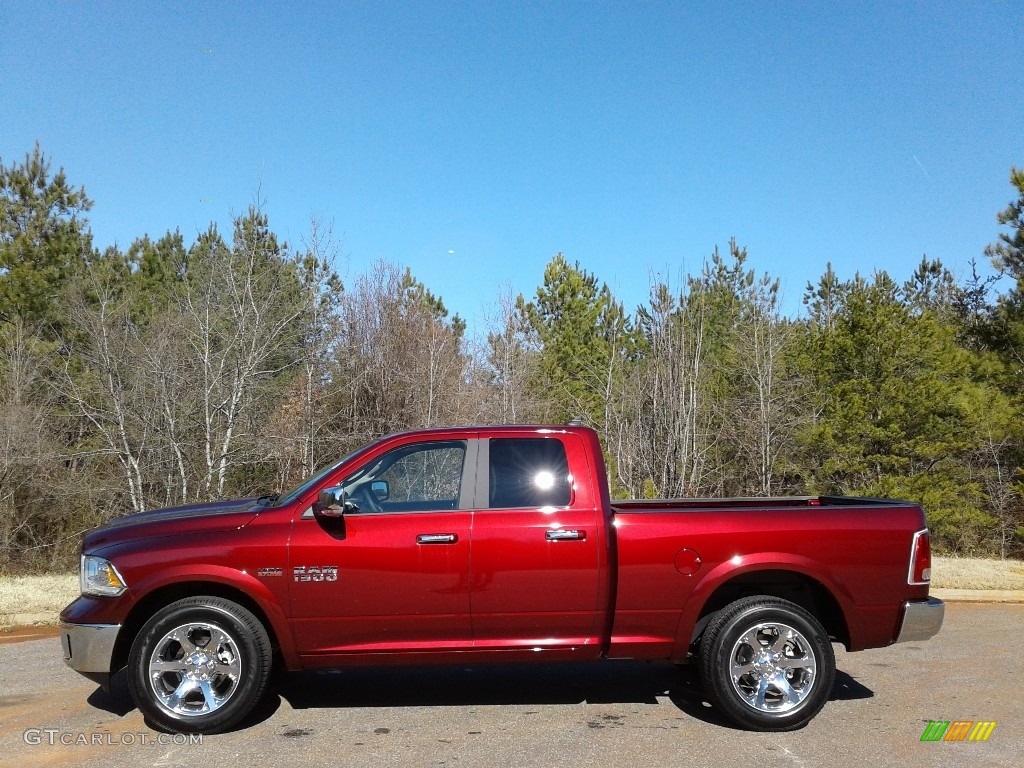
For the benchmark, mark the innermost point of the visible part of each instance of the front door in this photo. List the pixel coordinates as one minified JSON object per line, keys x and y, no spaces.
{"x":392,"y":575}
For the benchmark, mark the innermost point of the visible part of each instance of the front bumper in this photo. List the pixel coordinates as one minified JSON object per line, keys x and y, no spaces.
{"x":921,"y":619}
{"x":89,"y":648}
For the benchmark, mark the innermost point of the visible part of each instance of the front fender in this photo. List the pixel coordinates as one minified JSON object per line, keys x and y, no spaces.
{"x":231,"y":578}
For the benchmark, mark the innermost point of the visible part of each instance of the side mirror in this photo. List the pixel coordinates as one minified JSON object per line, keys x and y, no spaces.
{"x":331,"y":502}
{"x":380,"y":489}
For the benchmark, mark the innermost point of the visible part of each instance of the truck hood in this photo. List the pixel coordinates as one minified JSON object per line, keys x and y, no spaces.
{"x":190,"y":518}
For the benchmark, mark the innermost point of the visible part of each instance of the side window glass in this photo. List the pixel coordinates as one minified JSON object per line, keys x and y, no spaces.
{"x":528,"y":472}
{"x":421,"y":477}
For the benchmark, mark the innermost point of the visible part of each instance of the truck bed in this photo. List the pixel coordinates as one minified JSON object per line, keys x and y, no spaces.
{"x":671,"y":563}
{"x":746,"y":502}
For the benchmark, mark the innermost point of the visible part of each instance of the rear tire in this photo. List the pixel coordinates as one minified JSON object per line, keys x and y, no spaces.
{"x":767,"y":664}
{"x":199,"y":665}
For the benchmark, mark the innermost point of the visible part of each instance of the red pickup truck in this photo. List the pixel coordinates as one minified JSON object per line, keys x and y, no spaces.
{"x":493,"y":544}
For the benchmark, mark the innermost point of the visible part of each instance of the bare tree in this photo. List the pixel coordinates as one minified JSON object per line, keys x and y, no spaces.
{"x":302,"y":425}
{"x":320,"y":302}
{"x":240,"y":306}
{"x":510,"y":357}
{"x":763,"y":410}
{"x":400,"y":358}
{"x":27,"y":460}
{"x":112,"y":397}
{"x":659,"y":431}
{"x":165,"y":360}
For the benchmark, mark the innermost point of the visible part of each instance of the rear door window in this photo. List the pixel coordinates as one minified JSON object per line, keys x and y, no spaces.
{"x":528,"y":472}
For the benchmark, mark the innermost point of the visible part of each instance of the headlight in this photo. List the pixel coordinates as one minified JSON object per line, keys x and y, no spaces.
{"x":99,"y":577}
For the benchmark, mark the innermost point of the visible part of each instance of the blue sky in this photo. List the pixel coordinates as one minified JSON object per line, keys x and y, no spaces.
{"x":633,"y":137}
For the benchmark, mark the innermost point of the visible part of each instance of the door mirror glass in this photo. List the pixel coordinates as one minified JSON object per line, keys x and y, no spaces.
{"x":381,"y":489}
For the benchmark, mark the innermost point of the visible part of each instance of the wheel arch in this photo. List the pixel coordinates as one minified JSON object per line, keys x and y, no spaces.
{"x":159,"y":597}
{"x":778,"y":580}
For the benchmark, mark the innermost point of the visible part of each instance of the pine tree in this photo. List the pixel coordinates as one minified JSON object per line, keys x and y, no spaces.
{"x":583,"y":334}
{"x":43,"y":238}
{"x":895,"y":409}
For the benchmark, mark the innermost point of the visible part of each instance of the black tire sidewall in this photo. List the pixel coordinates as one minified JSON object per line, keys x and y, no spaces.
{"x":715,"y":666}
{"x":239,"y":625}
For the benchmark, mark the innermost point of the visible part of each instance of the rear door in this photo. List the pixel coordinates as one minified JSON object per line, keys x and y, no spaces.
{"x":392,"y":575}
{"x":535,"y":571}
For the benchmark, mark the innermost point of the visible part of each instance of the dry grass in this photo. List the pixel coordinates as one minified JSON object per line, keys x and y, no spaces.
{"x":37,"y":594}
{"x":976,"y":573}
{"x":49,"y":594}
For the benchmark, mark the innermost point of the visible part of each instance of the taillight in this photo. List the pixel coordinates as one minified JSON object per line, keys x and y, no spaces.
{"x":920,"y":559}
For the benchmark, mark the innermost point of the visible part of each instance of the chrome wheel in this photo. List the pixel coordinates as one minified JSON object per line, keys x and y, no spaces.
{"x":195,"y":669}
{"x":772,"y":667}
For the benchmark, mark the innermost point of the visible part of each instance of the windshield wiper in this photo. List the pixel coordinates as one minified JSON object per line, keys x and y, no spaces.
{"x":271,"y":499}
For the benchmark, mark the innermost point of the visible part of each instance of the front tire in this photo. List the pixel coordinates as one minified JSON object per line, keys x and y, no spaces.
{"x":767,"y":664}
{"x":199,"y":665}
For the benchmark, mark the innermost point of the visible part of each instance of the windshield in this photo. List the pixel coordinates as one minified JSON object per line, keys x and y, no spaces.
{"x":295,"y":493}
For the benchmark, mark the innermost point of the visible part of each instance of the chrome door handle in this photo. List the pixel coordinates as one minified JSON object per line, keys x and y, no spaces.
{"x":437,"y":538}
{"x":561,"y":535}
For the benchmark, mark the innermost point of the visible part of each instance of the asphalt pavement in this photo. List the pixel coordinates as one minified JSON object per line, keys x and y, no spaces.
{"x":602,"y":714}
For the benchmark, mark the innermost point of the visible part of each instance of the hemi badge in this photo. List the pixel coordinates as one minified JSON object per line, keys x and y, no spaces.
{"x":268,"y":572}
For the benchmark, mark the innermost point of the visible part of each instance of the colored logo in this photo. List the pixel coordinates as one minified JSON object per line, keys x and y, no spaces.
{"x":958,"y":730}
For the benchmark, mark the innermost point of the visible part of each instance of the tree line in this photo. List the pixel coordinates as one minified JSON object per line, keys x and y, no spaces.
{"x":168,"y":373}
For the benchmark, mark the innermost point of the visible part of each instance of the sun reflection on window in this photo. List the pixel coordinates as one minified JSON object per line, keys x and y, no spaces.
{"x":544,"y":480}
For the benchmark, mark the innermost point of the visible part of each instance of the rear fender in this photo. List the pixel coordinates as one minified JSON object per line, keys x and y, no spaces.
{"x":745,"y":565}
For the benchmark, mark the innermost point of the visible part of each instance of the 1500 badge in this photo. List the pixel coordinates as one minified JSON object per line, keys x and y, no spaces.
{"x":315,"y":573}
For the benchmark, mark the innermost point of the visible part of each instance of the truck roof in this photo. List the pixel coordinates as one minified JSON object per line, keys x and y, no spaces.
{"x":492,"y":429}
